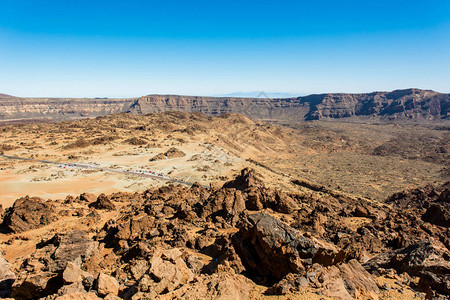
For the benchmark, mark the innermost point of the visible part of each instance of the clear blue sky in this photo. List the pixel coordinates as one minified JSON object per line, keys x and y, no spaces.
{"x":78,"y":48}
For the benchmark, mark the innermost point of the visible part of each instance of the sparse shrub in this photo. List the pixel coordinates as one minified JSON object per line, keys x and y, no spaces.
{"x":7,"y":147}
{"x":136,"y":141}
{"x":80,"y":143}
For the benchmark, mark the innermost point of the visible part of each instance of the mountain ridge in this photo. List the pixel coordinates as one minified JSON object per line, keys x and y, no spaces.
{"x":398,"y":105}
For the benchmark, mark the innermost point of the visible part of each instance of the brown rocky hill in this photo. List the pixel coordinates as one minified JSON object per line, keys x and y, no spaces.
{"x":399,"y":105}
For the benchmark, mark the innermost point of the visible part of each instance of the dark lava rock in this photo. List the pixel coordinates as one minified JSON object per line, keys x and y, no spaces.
{"x":226,"y":203}
{"x":7,"y":278}
{"x":421,"y":198}
{"x":272,"y":249}
{"x":74,"y":246}
{"x":37,"y":286}
{"x":245,"y":180}
{"x":428,"y":259}
{"x":28,"y":213}
{"x":343,"y":281}
{"x":103,"y":203}
{"x":430,"y":281}
{"x":2,"y":213}
{"x":438,"y":214}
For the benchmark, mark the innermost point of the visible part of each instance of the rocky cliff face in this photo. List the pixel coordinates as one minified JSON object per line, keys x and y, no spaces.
{"x":410,"y":104}
{"x":12,"y":108}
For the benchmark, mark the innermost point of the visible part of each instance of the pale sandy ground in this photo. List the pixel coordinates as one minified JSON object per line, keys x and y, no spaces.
{"x":203,"y":163}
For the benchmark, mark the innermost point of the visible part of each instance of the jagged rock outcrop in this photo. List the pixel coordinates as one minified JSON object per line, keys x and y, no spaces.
{"x":88,"y":197}
{"x":432,"y":203}
{"x":28,"y":213}
{"x":273,"y":249}
{"x":428,"y":259}
{"x":343,"y":281}
{"x":103,"y":202}
{"x":192,"y":242}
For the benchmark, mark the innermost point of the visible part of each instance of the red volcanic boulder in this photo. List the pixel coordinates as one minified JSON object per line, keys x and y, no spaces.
{"x":28,"y":213}
{"x":272,"y":249}
{"x":87,"y":197}
{"x":103,"y":203}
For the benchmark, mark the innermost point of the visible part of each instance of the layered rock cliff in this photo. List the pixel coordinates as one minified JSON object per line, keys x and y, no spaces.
{"x":12,"y":108}
{"x":410,"y":104}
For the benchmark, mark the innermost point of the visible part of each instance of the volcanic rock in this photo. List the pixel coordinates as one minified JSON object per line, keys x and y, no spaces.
{"x":169,"y":271}
{"x":227,"y":203}
{"x":220,"y":285}
{"x":78,"y":296}
{"x":273,"y":249}
{"x":28,"y":213}
{"x":248,"y":178}
{"x":438,"y":214}
{"x":284,"y":203}
{"x":87,"y":197}
{"x":343,"y":281}
{"x":76,"y":287}
{"x":103,"y":203}
{"x":64,"y":248}
{"x":72,"y":273}
{"x":428,"y":259}
{"x":107,"y":285}
{"x":159,"y":156}
{"x":178,"y":242}
{"x":7,"y":278}
{"x":174,"y":152}
{"x":36,"y":286}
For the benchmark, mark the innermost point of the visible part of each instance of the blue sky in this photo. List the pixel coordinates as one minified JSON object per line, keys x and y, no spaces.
{"x":131,"y":48}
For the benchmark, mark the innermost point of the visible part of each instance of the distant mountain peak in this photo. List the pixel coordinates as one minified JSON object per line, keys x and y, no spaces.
{"x":6,"y":96}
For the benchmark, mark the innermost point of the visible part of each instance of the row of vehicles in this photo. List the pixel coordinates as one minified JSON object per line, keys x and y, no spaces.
{"x":151,"y":173}
{"x":97,"y":166}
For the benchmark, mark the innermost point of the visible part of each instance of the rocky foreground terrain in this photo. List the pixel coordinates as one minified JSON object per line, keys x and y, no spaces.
{"x":239,"y":240}
{"x":399,"y":105}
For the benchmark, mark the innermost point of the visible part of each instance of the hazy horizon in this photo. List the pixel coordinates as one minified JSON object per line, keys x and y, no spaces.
{"x":252,"y":94}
